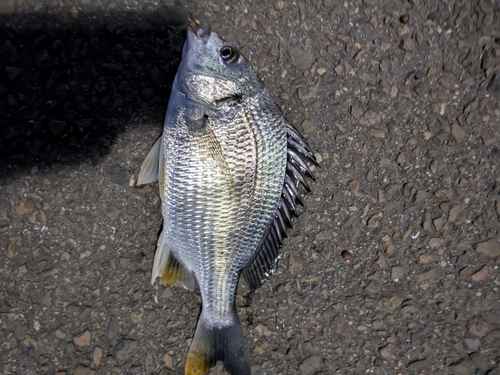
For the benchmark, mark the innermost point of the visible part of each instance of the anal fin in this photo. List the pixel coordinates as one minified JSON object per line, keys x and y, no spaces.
{"x":169,"y":268}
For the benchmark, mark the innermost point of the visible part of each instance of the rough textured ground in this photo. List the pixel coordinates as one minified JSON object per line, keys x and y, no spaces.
{"x":405,"y":118}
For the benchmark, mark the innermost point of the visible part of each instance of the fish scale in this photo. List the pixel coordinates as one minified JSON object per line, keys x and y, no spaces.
{"x":228,"y":166}
{"x":219,"y":204}
{"x":254,"y":220}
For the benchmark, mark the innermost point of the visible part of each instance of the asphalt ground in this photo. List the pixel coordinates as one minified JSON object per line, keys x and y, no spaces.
{"x":392,"y":267}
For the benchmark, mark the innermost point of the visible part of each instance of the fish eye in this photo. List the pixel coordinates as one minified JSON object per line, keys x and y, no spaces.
{"x":228,"y":54}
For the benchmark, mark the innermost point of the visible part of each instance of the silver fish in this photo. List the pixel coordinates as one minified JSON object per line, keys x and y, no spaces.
{"x":229,"y":167}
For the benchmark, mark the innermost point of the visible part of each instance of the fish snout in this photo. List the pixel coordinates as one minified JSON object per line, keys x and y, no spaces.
{"x":202,"y":32}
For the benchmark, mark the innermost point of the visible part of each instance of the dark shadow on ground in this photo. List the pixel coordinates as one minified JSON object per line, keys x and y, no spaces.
{"x":69,"y":87}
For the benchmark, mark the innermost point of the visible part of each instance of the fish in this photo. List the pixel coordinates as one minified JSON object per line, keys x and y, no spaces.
{"x":229,"y":167}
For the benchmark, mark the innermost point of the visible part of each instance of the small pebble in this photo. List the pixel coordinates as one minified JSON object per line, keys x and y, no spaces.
{"x":481,"y":274}
{"x":321,"y":71}
{"x":300,"y":58}
{"x":420,"y":74}
{"x":308,"y":126}
{"x":125,"y":349}
{"x":397,"y":272}
{"x":489,"y":248}
{"x":478,"y":327}
{"x":311,"y":365}
{"x":405,"y":18}
{"x":83,"y":339}
{"x":97,"y":355}
{"x":168,"y":360}
{"x":469,"y":82}
{"x":346,"y":255}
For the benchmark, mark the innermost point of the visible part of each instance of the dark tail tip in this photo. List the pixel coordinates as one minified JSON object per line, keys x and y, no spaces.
{"x":212,"y":344}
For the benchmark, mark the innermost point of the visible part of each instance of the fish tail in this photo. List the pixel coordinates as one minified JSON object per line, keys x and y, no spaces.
{"x":212,"y":344}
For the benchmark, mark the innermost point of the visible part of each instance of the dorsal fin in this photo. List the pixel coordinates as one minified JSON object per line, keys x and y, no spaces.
{"x":299,"y":159}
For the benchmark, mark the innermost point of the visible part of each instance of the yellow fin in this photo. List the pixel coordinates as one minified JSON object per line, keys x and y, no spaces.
{"x":197,"y":363}
{"x":176,"y":273}
{"x":168,"y":267}
{"x":217,"y":343}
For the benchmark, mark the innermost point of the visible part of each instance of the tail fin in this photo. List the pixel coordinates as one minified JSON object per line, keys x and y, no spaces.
{"x":214,"y":343}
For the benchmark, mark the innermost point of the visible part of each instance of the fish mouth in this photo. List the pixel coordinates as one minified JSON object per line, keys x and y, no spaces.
{"x":196,"y":35}
{"x":193,"y":25}
{"x":200,"y":32}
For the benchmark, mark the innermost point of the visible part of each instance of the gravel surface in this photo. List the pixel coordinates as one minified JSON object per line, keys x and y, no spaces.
{"x":392,"y":267}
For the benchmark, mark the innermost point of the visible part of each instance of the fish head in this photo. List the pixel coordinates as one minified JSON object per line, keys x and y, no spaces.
{"x":212,"y":71}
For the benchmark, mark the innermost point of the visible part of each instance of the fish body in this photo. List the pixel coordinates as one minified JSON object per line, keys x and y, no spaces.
{"x":228,"y":179}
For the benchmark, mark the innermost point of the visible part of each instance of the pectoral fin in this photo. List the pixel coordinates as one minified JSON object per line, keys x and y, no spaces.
{"x":153,"y":167}
{"x":207,"y":146}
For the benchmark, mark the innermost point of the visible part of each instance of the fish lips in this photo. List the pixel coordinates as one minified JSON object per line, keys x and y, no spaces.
{"x":202,"y":32}
{"x":195,"y":33}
